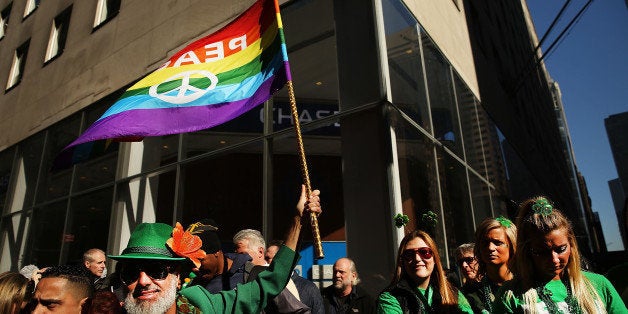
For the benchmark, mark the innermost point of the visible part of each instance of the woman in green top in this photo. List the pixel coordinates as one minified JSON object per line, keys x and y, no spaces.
{"x":419,"y":284}
{"x":547,"y":267}
{"x":495,"y":243}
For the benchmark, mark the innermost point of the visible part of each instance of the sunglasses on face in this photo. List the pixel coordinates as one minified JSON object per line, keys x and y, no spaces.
{"x":157,"y":271}
{"x":469,"y":260}
{"x":548,"y":251}
{"x":424,"y":253}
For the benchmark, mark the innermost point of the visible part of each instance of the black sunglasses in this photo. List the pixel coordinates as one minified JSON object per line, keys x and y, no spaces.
{"x":424,"y":253}
{"x":469,"y":260}
{"x":130,"y":272}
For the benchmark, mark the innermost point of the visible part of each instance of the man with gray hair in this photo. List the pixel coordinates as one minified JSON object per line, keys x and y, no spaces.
{"x":299,"y":296}
{"x":94,"y":261}
{"x":252,"y":242}
{"x":344,"y":296}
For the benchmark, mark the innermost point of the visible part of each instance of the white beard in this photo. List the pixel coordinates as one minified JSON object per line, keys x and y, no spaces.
{"x":161,"y":305}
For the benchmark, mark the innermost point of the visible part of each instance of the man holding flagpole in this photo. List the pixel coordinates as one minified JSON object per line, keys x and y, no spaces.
{"x":209,"y":82}
{"x":151,"y":263}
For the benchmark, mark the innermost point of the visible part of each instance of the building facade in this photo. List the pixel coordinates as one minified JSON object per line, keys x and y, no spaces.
{"x":616,"y":130}
{"x":397,"y":102}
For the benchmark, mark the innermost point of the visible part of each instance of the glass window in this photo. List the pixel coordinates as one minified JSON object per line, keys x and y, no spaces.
{"x":47,"y":234}
{"x":55,"y":182}
{"x":223,"y":187}
{"x":404,"y":62}
{"x":26,"y":172}
{"x":492,"y":142}
{"x":100,"y":170}
{"x":31,"y":5}
{"x":159,"y":151}
{"x":105,"y":11}
{"x":4,"y":19}
{"x":58,"y":34}
{"x":88,"y":223}
{"x":241,"y":129}
{"x":6,"y":168}
{"x":13,"y":239}
{"x":481,"y":199}
{"x":322,"y":148}
{"x":471,"y":133}
{"x":97,"y":160}
{"x":442,"y":98}
{"x":311,"y":45}
{"x":17,"y":66}
{"x":457,"y":213}
{"x":148,"y":199}
{"x":417,"y":177}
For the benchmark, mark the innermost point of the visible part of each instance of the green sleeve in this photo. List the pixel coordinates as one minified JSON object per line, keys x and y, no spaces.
{"x":608,"y":294}
{"x":387,"y":303}
{"x":463,"y":304}
{"x":250,"y":297}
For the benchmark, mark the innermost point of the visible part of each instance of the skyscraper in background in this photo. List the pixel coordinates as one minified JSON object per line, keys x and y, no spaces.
{"x":617,"y":131}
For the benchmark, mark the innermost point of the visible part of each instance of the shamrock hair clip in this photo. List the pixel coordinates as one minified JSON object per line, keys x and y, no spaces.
{"x":504,"y":221}
{"x":542,"y":207}
{"x":401,"y":220}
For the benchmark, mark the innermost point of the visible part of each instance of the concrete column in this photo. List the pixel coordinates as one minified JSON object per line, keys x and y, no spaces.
{"x":369,"y":162}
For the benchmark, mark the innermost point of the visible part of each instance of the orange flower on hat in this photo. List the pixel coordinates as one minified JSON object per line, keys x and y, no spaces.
{"x":186,"y":244}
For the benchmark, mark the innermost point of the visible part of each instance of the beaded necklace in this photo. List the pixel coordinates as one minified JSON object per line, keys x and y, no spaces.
{"x":487,"y":294}
{"x":546,"y":296}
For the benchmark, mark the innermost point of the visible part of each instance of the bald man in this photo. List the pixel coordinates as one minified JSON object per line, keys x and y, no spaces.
{"x":343,"y":296}
{"x":62,"y":289}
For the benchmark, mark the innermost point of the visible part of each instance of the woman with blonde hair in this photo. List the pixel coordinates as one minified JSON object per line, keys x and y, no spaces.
{"x":547,"y":266}
{"x":13,"y":293}
{"x":495,"y":247}
{"x":420,"y":284}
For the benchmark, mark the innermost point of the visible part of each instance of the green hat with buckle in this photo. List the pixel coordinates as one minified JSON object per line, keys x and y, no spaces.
{"x":148,"y":241}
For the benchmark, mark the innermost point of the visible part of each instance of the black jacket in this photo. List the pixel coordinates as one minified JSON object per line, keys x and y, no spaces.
{"x":411,"y":302}
{"x":359,"y":301}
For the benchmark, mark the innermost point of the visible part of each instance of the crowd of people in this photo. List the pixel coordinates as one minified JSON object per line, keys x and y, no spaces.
{"x":530,"y":266}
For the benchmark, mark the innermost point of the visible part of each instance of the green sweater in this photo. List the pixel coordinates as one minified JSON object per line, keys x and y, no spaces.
{"x":388,"y":304}
{"x":510,"y":299}
{"x":245,"y":298}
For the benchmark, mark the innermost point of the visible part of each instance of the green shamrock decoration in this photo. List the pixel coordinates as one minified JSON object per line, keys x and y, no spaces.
{"x":401,"y":220}
{"x":542,"y":207}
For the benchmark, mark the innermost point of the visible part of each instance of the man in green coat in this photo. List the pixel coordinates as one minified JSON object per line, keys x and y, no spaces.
{"x":150,"y":271}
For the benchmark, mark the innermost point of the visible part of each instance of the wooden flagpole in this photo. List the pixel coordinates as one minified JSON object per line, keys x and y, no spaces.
{"x":316,"y":235}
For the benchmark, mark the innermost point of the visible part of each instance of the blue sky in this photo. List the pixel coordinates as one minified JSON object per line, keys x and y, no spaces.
{"x":591,"y":67}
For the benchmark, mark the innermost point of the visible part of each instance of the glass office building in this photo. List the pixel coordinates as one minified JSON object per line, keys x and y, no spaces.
{"x":391,"y":124}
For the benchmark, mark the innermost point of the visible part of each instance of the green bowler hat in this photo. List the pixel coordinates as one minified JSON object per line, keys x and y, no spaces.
{"x":148,"y":241}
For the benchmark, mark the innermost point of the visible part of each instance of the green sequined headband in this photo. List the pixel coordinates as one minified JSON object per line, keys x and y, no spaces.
{"x":504,"y":221}
{"x":542,"y":207}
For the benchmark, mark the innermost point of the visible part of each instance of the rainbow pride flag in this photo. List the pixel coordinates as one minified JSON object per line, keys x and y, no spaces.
{"x":209,"y":82}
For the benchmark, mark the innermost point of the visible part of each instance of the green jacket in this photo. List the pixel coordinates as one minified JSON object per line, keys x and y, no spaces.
{"x":510,"y":296}
{"x":251,"y":297}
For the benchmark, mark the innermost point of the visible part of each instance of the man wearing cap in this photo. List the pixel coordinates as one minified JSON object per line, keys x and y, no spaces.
{"x":218,"y":270}
{"x":150,"y":271}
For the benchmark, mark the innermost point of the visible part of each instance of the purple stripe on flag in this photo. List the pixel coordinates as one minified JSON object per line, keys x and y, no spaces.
{"x":165,"y":121}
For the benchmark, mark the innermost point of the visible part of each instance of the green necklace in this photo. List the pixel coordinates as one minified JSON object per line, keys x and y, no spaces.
{"x":546,"y":296}
{"x":487,"y":294}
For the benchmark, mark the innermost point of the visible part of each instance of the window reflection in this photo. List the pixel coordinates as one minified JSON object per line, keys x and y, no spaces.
{"x":226,"y":188}
{"x":417,"y":175}
{"x":455,"y":197}
{"x":442,"y":98}
{"x":6,"y":166}
{"x":47,"y":234}
{"x":404,"y":62}
{"x":55,"y":183}
{"x":88,"y":223}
